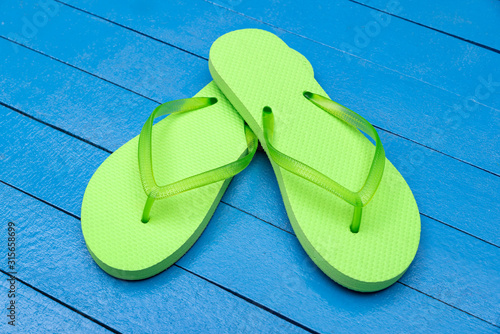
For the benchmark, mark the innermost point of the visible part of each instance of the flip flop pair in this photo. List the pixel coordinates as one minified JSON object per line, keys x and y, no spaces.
{"x":364,"y":239}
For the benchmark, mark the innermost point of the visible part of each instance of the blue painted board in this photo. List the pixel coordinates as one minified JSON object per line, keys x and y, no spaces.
{"x":439,"y":279}
{"x":477,"y":21}
{"x":445,"y":189}
{"x":450,"y":265}
{"x":431,"y":116}
{"x":95,"y":121}
{"x":36,"y":313}
{"x":65,"y":97}
{"x":174,"y":301}
{"x":401,"y":46}
{"x":110,"y":52}
{"x":82,"y":159}
{"x":268,"y":267}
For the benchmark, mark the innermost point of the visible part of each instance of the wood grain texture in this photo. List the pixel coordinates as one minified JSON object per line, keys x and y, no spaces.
{"x":439,"y":182}
{"x":36,"y":313}
{"x":471,"y":20}
{"x":454,"y":125}
{"x":398,"y":45}
{"x":451,"y":266}
{"x":89,"y":85}
{"x":55,"y":260}
{"x":82,"y":159}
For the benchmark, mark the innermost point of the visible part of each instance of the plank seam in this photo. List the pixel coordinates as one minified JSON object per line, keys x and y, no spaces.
{"x":278,"y":28}
{"x":169,"y":44}
{"x":456,"y":228}
{"x":253,"y":302}
{"x":153,"y":100}
{"x":265,"y":308}
{"x":129,"y":90}
{"x":256,"y":217}
{"x":110,"y":152}
{"x":61,"y":303}
{"x":54,"y":127}
{"x":128,"y":28}
{"x":248,"y":213}
{"x":339,"y":50}
{"x":423,"y":214}
{"x":472,"y":315}
{"x":77,"y":68}
{"x":293,"y":322}
{"x":41,"y":200}
{"x":437,"y":151}
{"x":489,"y":48}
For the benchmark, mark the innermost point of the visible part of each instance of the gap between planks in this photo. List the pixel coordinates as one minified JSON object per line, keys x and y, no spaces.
{"x":249,"y":300}
{"x":489,"y":48}
{"x":108,"y":151}
{"x":303,"y":37}
{"x":234,"y":293}
{"x":131,"y":91}
{"x":60,"y":302}
{"x":275,"y":27}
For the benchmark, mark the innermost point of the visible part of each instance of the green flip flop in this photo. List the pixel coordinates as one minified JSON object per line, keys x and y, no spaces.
{"x":135,"y":224}
{"x":365,"y":239}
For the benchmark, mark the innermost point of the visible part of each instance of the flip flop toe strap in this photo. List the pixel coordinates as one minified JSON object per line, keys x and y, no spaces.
{"x":156,"y":192}
{"x":358,"y":199}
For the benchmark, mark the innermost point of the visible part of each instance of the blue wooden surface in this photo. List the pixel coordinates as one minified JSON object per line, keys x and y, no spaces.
{"x":83,"y":84}
{"x":37,"y":308}
{"x":355,"y":83}
{"x":402,"y":47}
{"x":468,"y":20}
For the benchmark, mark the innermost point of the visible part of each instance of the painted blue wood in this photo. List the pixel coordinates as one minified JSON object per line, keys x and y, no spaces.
{"x":462,"y":274}
{"x":53,"y":258}
{"x":151,"y":68}
{"x":476,"y":21}
{"x":446,"y":189}
{"x":425,"y":114}
{"x":451,"y":266}
{"x":31,"y":145}
{"x":62,"y":96}
{"x":36,"y":313}
{"x":239,"y":251}
{"x":402,"y":46}
{"x":279,"y":273}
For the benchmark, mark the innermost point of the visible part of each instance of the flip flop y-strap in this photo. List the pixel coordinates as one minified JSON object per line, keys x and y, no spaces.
{"x":156,"y":192}
{"x":358,"y":199}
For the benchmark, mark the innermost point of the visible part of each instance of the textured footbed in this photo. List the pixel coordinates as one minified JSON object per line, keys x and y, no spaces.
{"x":254,"y":69}
{"x":183,"y":145}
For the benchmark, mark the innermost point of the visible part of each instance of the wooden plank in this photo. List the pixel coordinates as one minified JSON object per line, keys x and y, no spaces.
{"x":34,"y":146}
{"x":451,"y":266}
{"x":402,"y":46}
{"x":262,"y":267}
{"x":407,"y":107}
{"x":475,"y":21}
{"x":36,"y":313}
{"x":174,"y":301}
{"x":391,"y":321}
{"x":284,"y":275}
{"x":445,"y":189}
{"x":80,"y":103}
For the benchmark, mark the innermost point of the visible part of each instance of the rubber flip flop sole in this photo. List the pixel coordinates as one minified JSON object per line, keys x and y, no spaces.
{"x":255,"y":69}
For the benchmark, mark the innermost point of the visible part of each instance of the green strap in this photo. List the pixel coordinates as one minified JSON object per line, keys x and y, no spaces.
{"x":154,"y":191}
{"x":358,"y":199}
